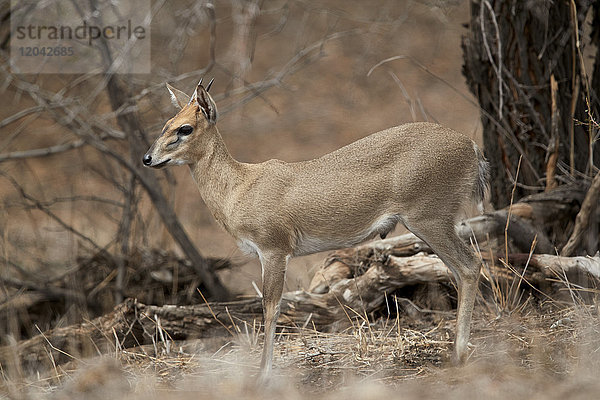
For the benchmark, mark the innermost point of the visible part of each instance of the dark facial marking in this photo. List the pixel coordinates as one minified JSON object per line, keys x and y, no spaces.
{"x":166,"y":128}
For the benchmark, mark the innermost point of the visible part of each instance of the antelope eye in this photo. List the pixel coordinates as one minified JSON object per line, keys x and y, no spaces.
{"x":185,"y":130}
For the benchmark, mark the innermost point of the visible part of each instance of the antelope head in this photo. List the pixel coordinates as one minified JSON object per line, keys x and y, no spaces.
{"x":186,"y":135}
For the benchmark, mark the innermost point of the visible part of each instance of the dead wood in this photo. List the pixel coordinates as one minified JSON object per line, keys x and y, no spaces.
{"x":489,"y":232}
{"x":584,"y":217}
{"x":557,"y":266}
{"x":133,"y":323}
{"x":87,"y":290}
{"x":552,"y":153}
{"x":553,"y":212}
{"x":347,"y":298}
{"x":129,"y":324}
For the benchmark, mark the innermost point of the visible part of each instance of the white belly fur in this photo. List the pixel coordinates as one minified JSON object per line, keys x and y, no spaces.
{"x":309,"y":244}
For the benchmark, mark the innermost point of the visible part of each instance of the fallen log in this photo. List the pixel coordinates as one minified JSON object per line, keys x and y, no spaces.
{"x":346,"y":264}
{"x":492,"y":232}
{"x":152,"y":276}
{"x":132,"y":323}
{"x":558,"y":266}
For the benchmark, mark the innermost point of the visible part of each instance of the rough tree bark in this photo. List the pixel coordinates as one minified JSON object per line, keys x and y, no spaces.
{"x":585,"y":217}
{"x":512,"y":51}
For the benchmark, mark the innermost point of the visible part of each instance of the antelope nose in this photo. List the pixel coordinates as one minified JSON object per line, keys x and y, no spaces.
{"x":147,"y":160}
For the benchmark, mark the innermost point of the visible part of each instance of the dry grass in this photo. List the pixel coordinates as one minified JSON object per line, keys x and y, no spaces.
{"x":543,"y":350}
{"x":524,"y":344}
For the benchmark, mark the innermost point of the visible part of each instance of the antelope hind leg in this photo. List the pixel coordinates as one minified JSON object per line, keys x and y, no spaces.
{"x":442,"y":238}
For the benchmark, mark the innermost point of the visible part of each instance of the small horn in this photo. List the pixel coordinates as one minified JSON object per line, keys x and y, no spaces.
{"x":210,"y":84}
{"x":200,"y":83}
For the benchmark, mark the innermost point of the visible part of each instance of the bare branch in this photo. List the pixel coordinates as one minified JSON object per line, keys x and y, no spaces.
{"x":43,"y":152}
{"x":497,"y":68}
{"x":51,"y":214}
{"x":303,"y":58}
{"x":588,"y":207}
{"x":17,"y":116}
{"x":48,"y":290}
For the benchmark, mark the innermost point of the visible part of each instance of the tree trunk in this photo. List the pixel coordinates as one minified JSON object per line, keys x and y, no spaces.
{"x":512,"y":51}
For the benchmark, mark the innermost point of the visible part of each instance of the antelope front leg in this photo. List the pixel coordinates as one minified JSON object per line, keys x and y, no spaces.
{"x":273,"y":267}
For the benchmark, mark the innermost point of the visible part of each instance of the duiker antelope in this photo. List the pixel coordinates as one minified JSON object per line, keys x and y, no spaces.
{"x":420,"y":174}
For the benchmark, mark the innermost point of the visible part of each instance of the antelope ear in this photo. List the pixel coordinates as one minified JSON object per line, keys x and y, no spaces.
{"x":206,"y":104}
{"x":178,"y":98}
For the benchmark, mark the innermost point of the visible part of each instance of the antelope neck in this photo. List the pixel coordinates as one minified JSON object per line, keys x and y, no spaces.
{"x":217,"y":173}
